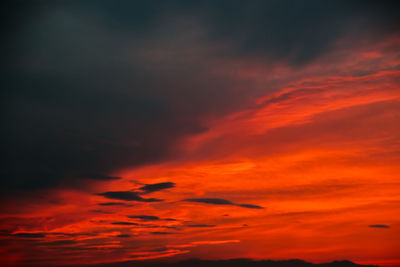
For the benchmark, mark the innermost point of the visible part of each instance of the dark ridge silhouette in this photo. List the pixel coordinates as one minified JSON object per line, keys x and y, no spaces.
{"x":228,"y":263}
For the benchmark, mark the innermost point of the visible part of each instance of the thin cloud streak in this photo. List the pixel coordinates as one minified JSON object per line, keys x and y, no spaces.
{"x":220,"y":201}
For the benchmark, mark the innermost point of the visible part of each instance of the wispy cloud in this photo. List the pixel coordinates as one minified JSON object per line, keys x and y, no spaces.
{"x":150,"y":188}
{"x":127,"y":196}
{"x":220,"y":201}
{"x":379,"y":226}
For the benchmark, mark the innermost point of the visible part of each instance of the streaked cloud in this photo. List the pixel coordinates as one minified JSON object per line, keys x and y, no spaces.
{"x":220,"y":201}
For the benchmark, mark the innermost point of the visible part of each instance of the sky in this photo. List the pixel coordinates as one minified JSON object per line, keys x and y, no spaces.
{"x":171,"y":130}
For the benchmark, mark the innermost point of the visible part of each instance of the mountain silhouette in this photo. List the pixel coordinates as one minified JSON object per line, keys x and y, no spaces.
{"x":229,"y":263}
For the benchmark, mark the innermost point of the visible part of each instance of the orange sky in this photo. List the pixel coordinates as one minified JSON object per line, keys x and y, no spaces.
{"x":317,"y":157}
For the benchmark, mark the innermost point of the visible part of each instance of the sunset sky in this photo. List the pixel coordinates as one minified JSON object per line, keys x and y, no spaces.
{"x":171,"y":130}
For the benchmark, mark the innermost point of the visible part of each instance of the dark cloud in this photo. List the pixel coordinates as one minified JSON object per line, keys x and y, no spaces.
{"x":100,"y":211}
{"x":170,"y":219}
{"x":216,"y":201}
{"x":220,"y":201}
{"x":30,"y":235}
{"x":379,"y":226}
{"x":124,"y":223}
{"x":145,"y":217}
{"x":149,"y":188}
{"x":40,"y":235}
{"x":162,"y":233}
{"x":250,"y":206}
{"x":297,"y":32}
{"x":117,"y":87}
{"x":127,"y":196}
{"x":123,"y":235}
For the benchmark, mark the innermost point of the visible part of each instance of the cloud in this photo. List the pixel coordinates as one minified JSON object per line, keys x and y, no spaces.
{"x":30,"y":235}
{"x":100,"y":211}
{"x":150,"y":218}
{"x":123,"y":235}
{"x":144,"y":217}
{"x":215,"y":201}
{"x":162,"y":233}
{"x":149,"y":188}
{"x":250,"y":206}
{"x":124,"y":223}
{"x":120,"y":109}
{"x":127,"y":196}
{"x":220,"y":201}
{"x":379,"y":226}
